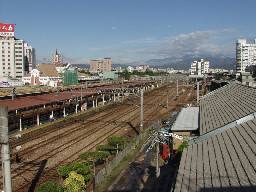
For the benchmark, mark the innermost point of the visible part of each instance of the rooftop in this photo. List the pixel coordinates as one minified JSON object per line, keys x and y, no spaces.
{"x":224,"y":161}
{"x":187,"y":120}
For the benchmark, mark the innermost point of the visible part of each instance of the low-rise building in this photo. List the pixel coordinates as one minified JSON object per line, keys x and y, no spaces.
{"x":43,"y":75}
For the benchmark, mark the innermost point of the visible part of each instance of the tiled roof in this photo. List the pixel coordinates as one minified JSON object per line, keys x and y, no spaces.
{"x":223,"y":162}
{"x":226,"y":161}
{"x":47,"y":70}
{"x":227,"y":105}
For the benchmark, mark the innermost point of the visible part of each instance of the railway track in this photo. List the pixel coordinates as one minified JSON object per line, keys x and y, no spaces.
{"x":103,"y":124}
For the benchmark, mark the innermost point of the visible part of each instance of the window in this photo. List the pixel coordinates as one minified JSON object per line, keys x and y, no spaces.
{"x":18,"y":67}
{"x":3,"y":59}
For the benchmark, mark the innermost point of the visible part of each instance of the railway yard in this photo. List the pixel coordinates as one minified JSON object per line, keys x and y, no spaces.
{"x":44,"y":150}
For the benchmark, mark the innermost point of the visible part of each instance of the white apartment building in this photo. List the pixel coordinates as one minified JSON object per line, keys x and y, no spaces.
{"x":245,"y":55}
{"x":16,"y":57}
{"x":193,"y":68}
{"x":30,"y":54}
{"x":200,"y":67}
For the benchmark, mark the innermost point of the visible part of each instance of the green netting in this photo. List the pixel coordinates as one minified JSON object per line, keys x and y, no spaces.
{"x":70,"y":77}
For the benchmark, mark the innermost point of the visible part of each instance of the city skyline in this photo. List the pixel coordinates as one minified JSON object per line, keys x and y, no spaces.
{"x":130,"y":31}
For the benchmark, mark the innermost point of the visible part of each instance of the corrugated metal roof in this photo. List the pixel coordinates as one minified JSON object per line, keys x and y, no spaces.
{"x":187,"y":120}
{"x":224,"y":162}
{"x":47,"y":98}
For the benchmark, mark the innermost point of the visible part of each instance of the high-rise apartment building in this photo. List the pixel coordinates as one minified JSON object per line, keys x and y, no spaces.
{"x":30,"y":57}
{"x":17,"y":58}
{"x":100,"y":65}
{"x":200,"y":67}
{"x":245,"y":55}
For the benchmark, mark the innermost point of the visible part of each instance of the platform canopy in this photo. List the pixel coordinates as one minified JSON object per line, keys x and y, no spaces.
{"x":187,"y":120}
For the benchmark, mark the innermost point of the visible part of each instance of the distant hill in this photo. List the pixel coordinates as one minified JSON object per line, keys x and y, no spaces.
{"x":185,"y":62}
{"x":81,"y":65}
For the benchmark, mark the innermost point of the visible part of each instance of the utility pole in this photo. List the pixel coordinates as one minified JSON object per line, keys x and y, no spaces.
{"x":5,"y":149}
{"x":197,"y":98}
{"x":141,"y":110}
{"x":157,"y":166}
{"x":81,"y":94}
{"x":177,"y":88}
{"x":13,"y":93}
{"x":167,"y":98}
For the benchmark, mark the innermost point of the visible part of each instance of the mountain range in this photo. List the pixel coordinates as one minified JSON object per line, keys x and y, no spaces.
{"x":184,"y":63}
{"x":216,"y":62}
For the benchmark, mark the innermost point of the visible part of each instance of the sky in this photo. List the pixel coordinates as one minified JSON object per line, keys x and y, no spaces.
{"x":130,"y":31}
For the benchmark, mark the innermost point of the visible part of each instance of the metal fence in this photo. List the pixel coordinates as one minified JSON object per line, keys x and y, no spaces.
{"x":106,"y":171}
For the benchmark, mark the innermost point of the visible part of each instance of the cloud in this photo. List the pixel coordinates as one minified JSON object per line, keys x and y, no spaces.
{"x":197,"y":43}
{"x":141,"y":41}
{"x":114,"y":28}
{"x":81,"y":61}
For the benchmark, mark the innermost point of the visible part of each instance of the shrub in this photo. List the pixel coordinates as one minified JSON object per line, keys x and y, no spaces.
{"x":182,"y":146}
{"x":49,"y":187}
{"x":81,"y":168}
{"x":87,"y":177}
{"x":134,"y":139}
{"x":74,"y":183}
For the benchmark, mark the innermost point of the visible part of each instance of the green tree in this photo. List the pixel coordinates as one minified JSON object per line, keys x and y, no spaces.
{"x":97,"y":157}
{"x":149,"y":72}
{"x":115,"y":140}
{"x":254,"y":72}
{"x":49,"y":187}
